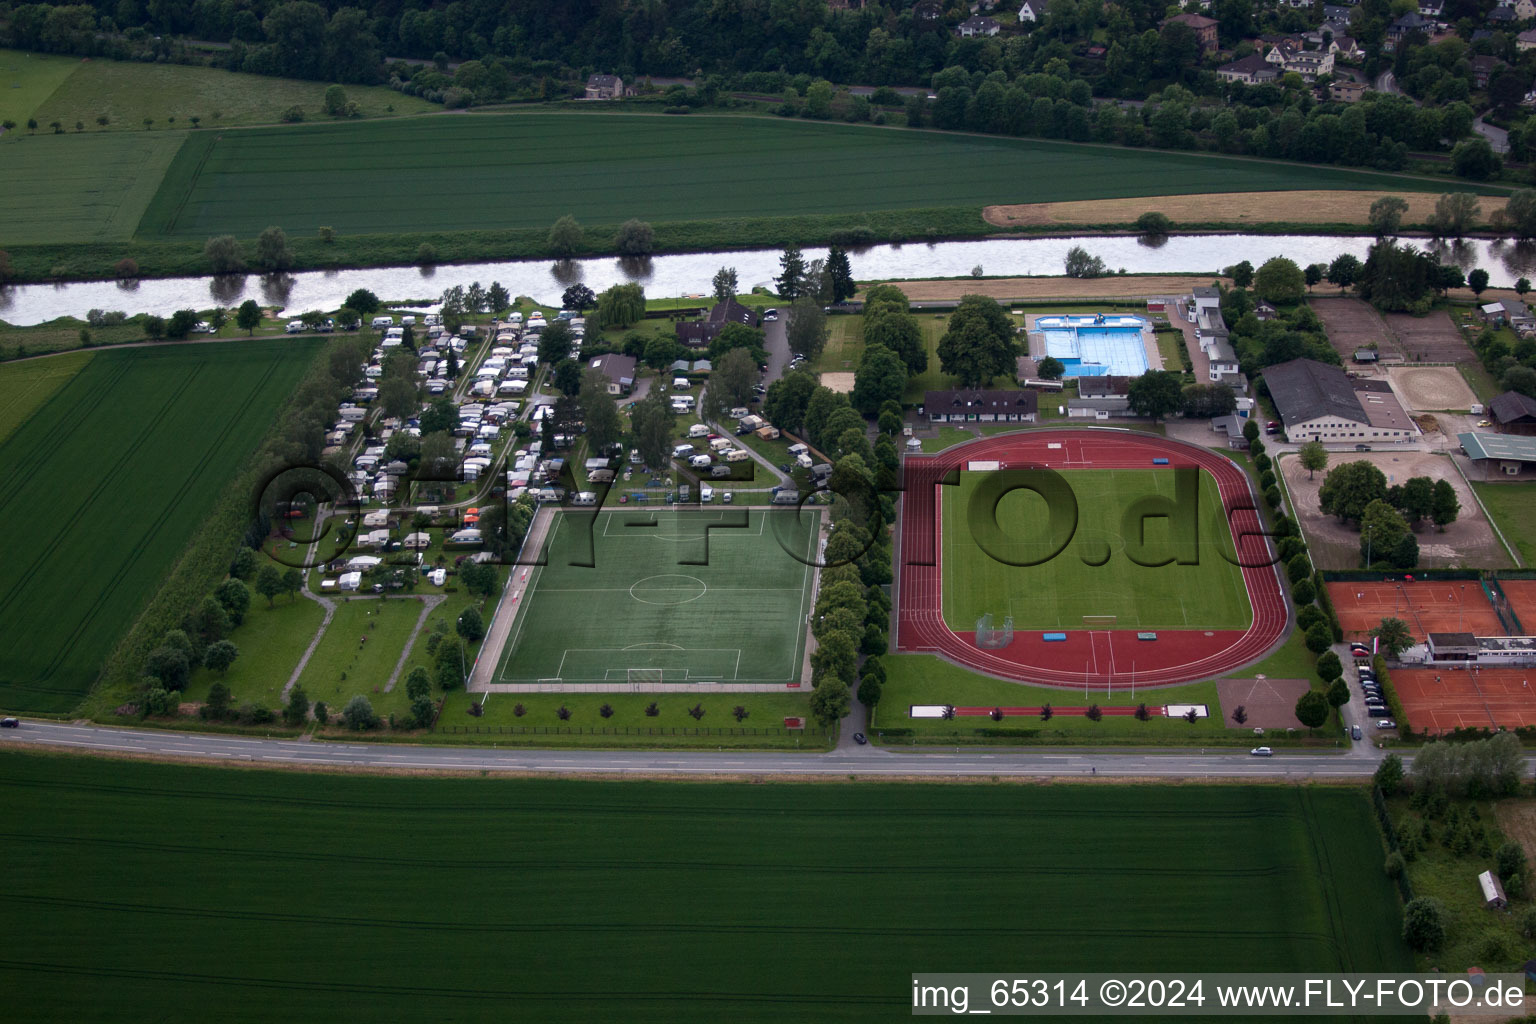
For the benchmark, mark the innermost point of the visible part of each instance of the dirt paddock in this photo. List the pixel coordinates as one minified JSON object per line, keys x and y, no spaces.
{"x":1430,"y":339}
{"x":1469,"y":541}
{"x":1441,"y":699}
{"x":1353,"y":325}
{"x":1431,"y":388}
{"x":1269,"y":703}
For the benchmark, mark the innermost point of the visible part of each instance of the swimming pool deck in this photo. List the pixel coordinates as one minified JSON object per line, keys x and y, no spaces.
{"x":1037,"y":341}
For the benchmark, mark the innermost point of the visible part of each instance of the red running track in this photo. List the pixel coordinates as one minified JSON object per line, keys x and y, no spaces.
{"x":1088,"y":658}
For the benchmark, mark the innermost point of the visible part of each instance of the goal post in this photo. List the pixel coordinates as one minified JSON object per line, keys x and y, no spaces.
{"x":646,"y":675}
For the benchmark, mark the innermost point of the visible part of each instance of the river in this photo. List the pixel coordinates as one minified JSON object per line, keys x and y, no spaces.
{"x":690,"y":273}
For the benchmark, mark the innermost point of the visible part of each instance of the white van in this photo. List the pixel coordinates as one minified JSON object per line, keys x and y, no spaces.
{"x":698,"y":430}
{"x":383,"y":321}
{"x":700,"y":461}
{"x":295,"y":326}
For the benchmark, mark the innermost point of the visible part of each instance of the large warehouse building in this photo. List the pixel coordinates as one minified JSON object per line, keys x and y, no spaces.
{"x":1318,"y":402}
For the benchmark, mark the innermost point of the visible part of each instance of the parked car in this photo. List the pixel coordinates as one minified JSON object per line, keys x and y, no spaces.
{"x":1261,"y":752}
{"x":202,"y":327}
{"x":1386,"y":723}
{"x":860,"y":738}
{"x":770,"y":315}
{"x":1355,"y":732}
{"x":1362,"y":447}
{"x":295,"y":326}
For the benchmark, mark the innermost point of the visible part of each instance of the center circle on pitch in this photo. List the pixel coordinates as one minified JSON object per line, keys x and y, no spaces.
{"x":668,"y":589}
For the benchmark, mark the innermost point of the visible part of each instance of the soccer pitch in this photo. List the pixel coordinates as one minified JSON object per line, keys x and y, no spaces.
{"x":1094,"y":574}
{"x":667,"y":596}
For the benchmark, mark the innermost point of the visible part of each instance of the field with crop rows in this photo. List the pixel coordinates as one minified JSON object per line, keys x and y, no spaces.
{"x":81,"y":188}
{"x":101,"y":488}
{"x":157,"y":890}
{"x":25,"y":386}
{"x":526,"y":170}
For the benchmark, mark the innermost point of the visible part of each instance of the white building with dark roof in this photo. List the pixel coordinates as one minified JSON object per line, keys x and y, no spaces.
{"x":1318,"y":402}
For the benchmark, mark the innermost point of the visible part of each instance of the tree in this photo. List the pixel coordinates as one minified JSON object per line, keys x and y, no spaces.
{"x":1474,"y":158}
{"x":335,"y":100}
{"x":1423,"y":924}
{"x":651,"y":421}
{"x":1279,"y":281}
{"x":807,"y":331}
{"x":418,"y":683}
{"x":555,"y":342}
{"x":497,"y":299}
{"x":248,"y":316}
{"x":897,"y":330}
{"x":1382,"y":529}
{"x":1241,"y":274}
{"x":1318,"y":636}
{"x":296,"y":711}
{"x":1389,"y":774}
{"x":840,"y":275}
{"x":578,"y":297}
{"x":1154,"y":223}
{"x":269,"y":583}
{"x":217,"y":704}
{"x":1051,"y":368}
{"x":732,"y":383}
{"x":1094,"y":713}
{"x":567,"y":377}
{"x":272,"y":252}
{"x":1156,"y":393}
{"x":469,"y":625}
{"x":978,"y":344}
{"x":364,"y":301}
{"x":154,"y":326}
{"x":829,"y":701}
{"x":791,"y":279}
{"x":219,"y":656}
{"x":235,"y":597}
{"x":1455,"y":213}
{"x":881,"y":377}
{"x":1344,"y":270}
{"x":1337,"y":693}
{"x":1444,"y":505}
{"x":223,"y":254}
{"x":1328,"y":666}
{"x":1080,"y":264}
{"x":1386,"y":215}
{"x":1313,"y":274}
{"x":635,"y":238}
{"x":1207,"y":400}
{"x":620,"y":305}
{"x":1240,"y":714}
{"x":787,"y":399}
{"x":1349,"y":488}
{"x":1312,"y":709}
{"x":359,"y":715}
{"x":600,"y":412}
{"x":564,"y":238}
{"x":1477,"y":280}
{"x":725,"y":284}
{"x":1393,"y":636}
{"x":870,"y":689}
{"x":1522,"y":286}
{"x":170,"y":666}
{"x":1313,"y":457}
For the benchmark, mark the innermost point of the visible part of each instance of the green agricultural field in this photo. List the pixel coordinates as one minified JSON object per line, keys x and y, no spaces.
{"x":103,"y":486}
{"x":172,"y":94}
{"x":90,"y":187}
{"x":26,"y":79}
{"x":159,"y":890}
{"x":676,"y":596}
{"x":526,"y":170}
{"x":1093,"y":574}
{"x":25,"y":386}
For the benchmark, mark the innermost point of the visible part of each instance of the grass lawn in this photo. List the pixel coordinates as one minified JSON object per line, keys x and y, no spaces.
{"x":344,"y":666}
{"x":25,"y":387}
{"x":271,"y":641}
{"x":926,"y":679}
{"x":1480,"y":381}
{"x":1291,"y":660}
{"x":650,"y":880}
{"x":90,"y":187}
{"x":709,"y":595}
{"x":1513,"y":508}
{"x":108,"y":481}
{"x":27,"y":79}
{"x":1170,"y":345}
{"x":1094,"y":574}
{"x":525,"y":170}
{"x":172,"y":94}
{"x":63,"y":335}
{"x":630,"y":726}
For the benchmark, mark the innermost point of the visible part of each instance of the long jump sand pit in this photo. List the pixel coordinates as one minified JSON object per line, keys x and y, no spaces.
{"x":1354,"y":325}
{"x":1429,"y":339}
{"x":1317,"y":206}
{"x":1428,"y":606}
{"x":1431,"y":388}
{"x":1268,"y":703}
{"x":1438,"y":700}
{"x":1469,"y":541}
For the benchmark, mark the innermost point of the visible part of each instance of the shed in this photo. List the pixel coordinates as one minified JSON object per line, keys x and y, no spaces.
{"x":1493,"y":891}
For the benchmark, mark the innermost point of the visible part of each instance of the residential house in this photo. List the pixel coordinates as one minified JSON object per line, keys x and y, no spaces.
{"x":1431,"y":8}
{"x":1264,"y":311}
{"x":1251,"y":70}
{"x":1525,"y":10}
{"x":1100,"y":398}
{"x":699,"y":333}
{"x":1307,"y":63}
{"x":978,"y":26}
{"x":1031,"y":12}
{"x":1526,"y":40}
{"x":1502,"y":17}
{"x":1204,"y":29}
{"x":981,"y":406}
{"x":1409,"y":23}
{"x":1512,"y":312}
{"x":1514,"y":413}
{"x":1483,"y":67}
{"x":1320,"y":402}
{"x":619,"y":369}
{"x":1345,"y":91}
{"x":1346,"y":48}
{"x":605,"y":87}
{"x":982,"y":6}
{"x":1337,"y":12}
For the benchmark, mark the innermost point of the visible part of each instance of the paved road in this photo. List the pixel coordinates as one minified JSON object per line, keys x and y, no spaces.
{"x":776,"y":343}
{"x":867,"y":761}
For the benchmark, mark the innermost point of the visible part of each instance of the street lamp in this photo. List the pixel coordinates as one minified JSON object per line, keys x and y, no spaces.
{"x":1367,"y":545}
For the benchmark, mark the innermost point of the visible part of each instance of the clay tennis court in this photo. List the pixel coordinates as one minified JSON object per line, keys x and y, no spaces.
{"x":1438,"y":700}
{"x":1450,"y":606}
{"x":1521,"y":595}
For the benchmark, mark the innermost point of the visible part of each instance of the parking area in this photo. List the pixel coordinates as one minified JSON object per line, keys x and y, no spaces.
{"x":1469,"y":541}
{"x":1438,"y":700}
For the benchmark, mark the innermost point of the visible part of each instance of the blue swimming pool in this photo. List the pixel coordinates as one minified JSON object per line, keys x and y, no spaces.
{"x":1095,"y":345}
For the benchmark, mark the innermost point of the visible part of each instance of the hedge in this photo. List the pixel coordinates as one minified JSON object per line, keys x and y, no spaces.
{"x":1325,"y":601}
{"x":1379,"y":662}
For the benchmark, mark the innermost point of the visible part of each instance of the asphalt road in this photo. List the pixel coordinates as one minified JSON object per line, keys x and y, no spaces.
{"x":868,"y":761}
